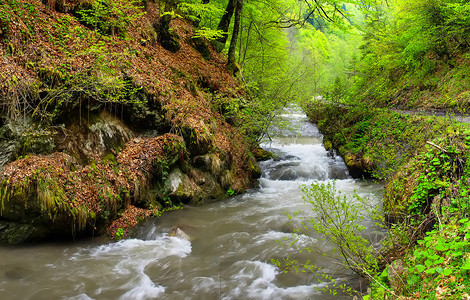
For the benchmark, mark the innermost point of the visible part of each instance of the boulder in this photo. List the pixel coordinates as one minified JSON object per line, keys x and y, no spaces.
{"x":260,"y":154}
{"x":183,"y":231}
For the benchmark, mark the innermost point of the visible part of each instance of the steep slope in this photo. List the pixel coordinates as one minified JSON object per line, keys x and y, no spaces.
{"x":99,"y":121}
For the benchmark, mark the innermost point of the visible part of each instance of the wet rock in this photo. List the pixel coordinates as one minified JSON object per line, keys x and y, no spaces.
{"x":358,"y":168}
{"x":9,"y":148}
{"x":338,"y":172}
{"x":284,"y":171}
{"x":110,"y":132}
{"x":327,"y":144}
{"x":20,"y":137}
{"x":254,"y":168}
{"x":181,"y":187}
{"x":287,"y":228}
{"x":16,"y":274}
{"x":144,"y":112}
{"x":18,"y":233}
{"x":182,"y":232}
{"x":210,"y":189}
{"x":210,"y":163}
{"x":283,"y":174}
{"x":227,"y":180}
{"x":261,"y":154}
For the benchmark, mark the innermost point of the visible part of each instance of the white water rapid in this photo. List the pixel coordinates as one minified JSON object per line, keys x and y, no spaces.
{"x":230,"y":248}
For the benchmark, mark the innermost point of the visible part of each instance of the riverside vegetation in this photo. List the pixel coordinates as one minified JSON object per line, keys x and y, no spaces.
{"x":102,"y":127}
{"x":114,"y":111}
{"x":415,"y":58}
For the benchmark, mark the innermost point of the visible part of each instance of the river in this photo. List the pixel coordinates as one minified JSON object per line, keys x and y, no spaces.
{"x":230,"y":248}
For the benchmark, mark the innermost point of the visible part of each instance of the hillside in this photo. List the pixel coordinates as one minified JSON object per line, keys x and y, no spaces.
{"x":100,"y":123}
{"x":414,"y":56}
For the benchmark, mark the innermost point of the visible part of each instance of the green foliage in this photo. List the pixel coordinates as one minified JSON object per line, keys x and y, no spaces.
{"x":5,"y":20}
{"x":439,"y":266}
{"x":119,"y":234}
{"x":110,"y":17}
{"x":12,"y":10}
{"x":338,"y":219}
{"x":205,"y":13}
{"x":441,"y":166}
{"x":427,"y":163}
{"x":230,"y":192}
{"x":102,"y":83}
{"x":410,"y":50}
{"x":207,"y":33}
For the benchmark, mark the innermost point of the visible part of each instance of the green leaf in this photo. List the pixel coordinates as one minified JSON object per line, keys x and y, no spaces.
{"x":420,"y":268}
{"x":442,"y":247}
{"x":447,"y":272}
{"x":413,"y":279}
{"x":428,"y":263}
{"x":466,"y":266}
{"x":438,"y":261}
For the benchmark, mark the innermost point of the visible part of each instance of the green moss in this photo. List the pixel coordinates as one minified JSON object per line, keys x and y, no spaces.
{"x":327,"y":144}
{"x":261,"y":154}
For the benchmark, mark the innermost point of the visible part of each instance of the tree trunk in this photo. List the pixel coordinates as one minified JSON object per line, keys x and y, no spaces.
{"x":231,"y":64}
{"x":164,"y":36}
{"x":224,"y":24}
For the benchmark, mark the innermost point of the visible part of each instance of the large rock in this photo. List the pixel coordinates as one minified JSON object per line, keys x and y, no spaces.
{"x":181,"y":187}
{"x":260,"y":154}
{"x":103,"y":134}
{"x":209,"y":188}
{"x":18,"y":233}
{"x":21,"y":136}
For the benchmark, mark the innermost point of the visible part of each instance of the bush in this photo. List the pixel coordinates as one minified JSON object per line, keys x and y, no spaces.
{"x":109,"y":16}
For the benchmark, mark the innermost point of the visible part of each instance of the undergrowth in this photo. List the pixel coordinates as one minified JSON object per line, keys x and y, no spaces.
{"x":424,"y":161}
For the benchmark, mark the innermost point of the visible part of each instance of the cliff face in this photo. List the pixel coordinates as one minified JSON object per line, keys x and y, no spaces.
{"x":100,"y":124}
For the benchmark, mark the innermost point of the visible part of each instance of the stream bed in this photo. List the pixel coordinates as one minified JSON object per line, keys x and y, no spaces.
{"x":231,"y":243}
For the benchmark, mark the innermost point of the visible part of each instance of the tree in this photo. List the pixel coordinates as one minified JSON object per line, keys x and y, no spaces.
{"x":165,"y":37}
{"x":231,"y":64}
{"x":224,"y":25}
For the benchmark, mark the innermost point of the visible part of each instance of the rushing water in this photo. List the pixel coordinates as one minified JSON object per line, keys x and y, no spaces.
{"x":230,"y":247}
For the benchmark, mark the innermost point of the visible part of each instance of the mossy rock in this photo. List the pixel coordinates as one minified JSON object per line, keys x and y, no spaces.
{"x":18,"y":233}
{"x":200,"y":45}
{"x":327,"y":144}
{"x":209,"y":188}
{"x":218,"y":46}
{"x":144,"y":112}
{"x":260,"y":154}
{"x":356,"y":166}
{"x":254,"y":168}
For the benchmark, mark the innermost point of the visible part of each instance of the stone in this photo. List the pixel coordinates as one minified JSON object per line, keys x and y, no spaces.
{"x":179,"y":233}
{"x":261,"y":154}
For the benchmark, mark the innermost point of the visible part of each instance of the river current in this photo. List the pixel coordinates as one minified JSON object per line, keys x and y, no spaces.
{"x":230,"y":247}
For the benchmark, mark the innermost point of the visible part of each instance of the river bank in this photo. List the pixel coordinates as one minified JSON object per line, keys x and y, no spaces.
{"x":101,"y":127}
{"x":424,"y":162}
{"x":222,"y":250}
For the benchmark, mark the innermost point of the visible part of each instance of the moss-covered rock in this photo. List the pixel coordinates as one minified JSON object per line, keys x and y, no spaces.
{"x":260,"y":154}
{"x":18,"y":233}
{"x":200,"y":45}
{"x":110,"y":131}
